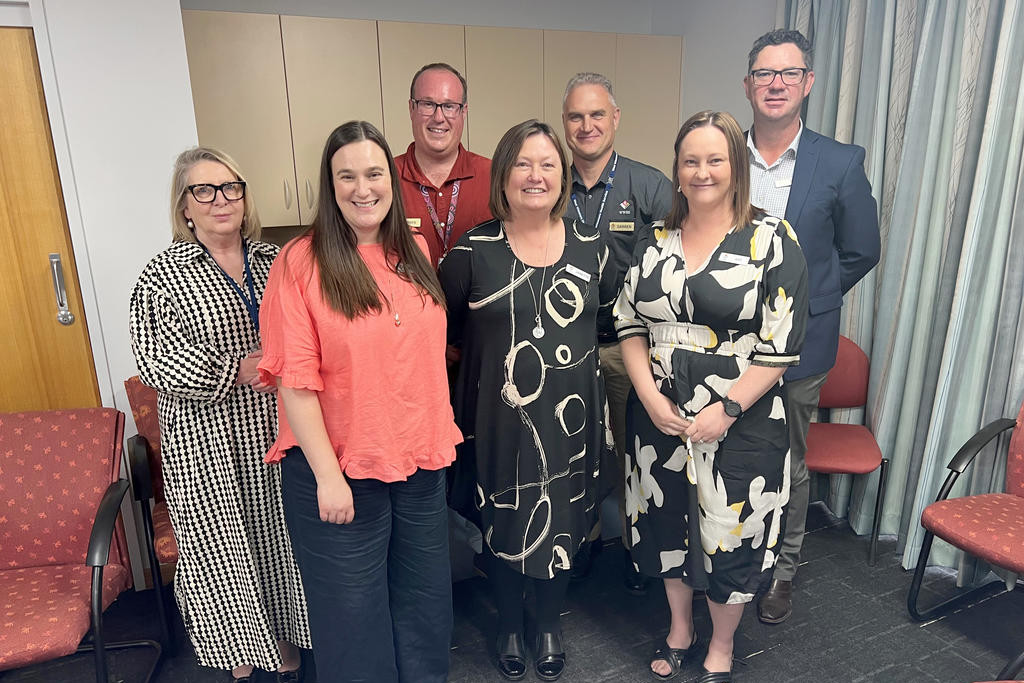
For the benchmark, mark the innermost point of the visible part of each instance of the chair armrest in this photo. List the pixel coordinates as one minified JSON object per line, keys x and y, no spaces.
{"x":103,"y":525}
{"x":138,"y":468}
{"x":969,"y":450}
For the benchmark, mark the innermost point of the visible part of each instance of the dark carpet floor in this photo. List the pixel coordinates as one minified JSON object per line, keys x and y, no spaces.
{"x":850,"y":625}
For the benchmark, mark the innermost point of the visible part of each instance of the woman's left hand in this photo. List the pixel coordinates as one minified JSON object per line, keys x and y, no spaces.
{"x":710,"y":424}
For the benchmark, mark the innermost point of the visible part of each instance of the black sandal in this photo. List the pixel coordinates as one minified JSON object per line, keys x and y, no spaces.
{"x":511,"y":656}
{"x":675,"y":657}
{"x":714,"y":676}
{"x":550,"y":661}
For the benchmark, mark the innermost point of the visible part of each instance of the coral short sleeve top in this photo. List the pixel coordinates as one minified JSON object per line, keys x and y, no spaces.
{"x":383,"y":387}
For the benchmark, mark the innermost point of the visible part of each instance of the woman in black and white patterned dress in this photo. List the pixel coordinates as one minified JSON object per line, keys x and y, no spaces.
{"x":712,"y":312}
{"x":194,"y":325}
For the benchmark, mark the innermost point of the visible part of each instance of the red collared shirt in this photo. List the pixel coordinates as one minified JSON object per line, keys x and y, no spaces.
{"x":474,"y":175}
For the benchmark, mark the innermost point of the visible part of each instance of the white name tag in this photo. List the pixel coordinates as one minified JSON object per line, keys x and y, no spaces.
{"x":783,"y":182}
{"x":413,"y":222}
{"x":737,"y":259}
{"x":581,"y":274}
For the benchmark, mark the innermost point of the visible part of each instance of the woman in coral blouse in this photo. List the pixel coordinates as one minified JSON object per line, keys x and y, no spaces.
{"x":353,"y":327}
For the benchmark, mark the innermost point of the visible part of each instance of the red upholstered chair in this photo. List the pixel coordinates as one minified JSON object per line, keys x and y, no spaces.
{"x":63,"y":558}
{"x":989,"y":526}
{"x":834,"y":448}
{"x":143,"y":402}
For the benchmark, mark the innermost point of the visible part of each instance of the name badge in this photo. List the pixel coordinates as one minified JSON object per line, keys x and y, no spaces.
{"x":783,"y":182}
{"x":621,"y":226}
{"x":413,"y":222}
{"x":581,"y":274}
{"x":737,"y":259}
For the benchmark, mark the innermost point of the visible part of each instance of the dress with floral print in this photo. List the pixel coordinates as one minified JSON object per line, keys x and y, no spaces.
{"x":712,"y":513}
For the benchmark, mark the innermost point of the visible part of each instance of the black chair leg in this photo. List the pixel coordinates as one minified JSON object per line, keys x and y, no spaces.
{"x":1012,"y":668}
{"x":941,"y":608}
{"x":166,"y":632}
{"x":882,"y":475}
{"x":97,"y":625}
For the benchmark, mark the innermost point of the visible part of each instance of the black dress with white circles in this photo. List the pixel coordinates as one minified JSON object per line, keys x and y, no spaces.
{"x":236,"y":581}
{"x":531,"y":406}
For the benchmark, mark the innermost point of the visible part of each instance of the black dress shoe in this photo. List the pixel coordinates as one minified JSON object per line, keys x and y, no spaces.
{"x":583,"y":561}
{"x":293,"y":676}
{"x":511,"y":656}
{"x":550,"y":661}
{"x":776,"y":605}
{"x":634,"y":581}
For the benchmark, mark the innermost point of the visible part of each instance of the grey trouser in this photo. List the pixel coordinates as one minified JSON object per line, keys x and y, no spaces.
{"x":801,"y":402}
{"x":616,"y":388}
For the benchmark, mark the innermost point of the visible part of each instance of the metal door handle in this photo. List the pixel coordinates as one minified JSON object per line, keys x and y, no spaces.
{"x":287,"y":196}
{"x":64,"y":315}
{"x":309,"y":193}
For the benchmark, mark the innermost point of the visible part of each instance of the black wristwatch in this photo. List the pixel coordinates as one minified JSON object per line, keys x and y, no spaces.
{"x":732,"y":408}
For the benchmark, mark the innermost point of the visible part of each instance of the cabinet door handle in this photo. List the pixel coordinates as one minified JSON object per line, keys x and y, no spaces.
{"x":309,"y":194}
{"x":64,"y":315}
{"x":287,"y":195}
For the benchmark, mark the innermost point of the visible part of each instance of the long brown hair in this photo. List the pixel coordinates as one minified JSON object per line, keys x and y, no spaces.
{"x":742,"y":211}
{"x":346,"y":283}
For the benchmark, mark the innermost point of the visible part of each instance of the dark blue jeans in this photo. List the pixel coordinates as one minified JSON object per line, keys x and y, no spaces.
{"x":379,"y":588}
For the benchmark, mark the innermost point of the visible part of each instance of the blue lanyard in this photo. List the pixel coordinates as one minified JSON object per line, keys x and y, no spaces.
{"x":604,"y":198}
{"x":251,"y":305}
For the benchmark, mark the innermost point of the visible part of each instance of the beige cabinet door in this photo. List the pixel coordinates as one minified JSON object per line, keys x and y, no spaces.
{"x":404,"y":48}
{"x":238,"y":90}
{"x":333,"y":74}
{"x":566,"y":53}
{"x":503,"y":96}
{"x":646,"y":80}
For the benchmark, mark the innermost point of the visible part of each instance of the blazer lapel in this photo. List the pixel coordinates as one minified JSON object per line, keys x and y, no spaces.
{"x":803,"y":174}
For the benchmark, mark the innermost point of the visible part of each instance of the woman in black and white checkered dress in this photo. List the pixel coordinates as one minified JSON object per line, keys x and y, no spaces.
{"x":194,"y":324}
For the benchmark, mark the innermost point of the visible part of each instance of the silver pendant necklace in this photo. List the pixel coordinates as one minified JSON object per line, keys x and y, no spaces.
{"x":535,"y":295}
{"x":391,"y":299}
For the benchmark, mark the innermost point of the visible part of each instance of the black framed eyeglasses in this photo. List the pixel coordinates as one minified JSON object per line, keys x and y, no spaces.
{"x":205,"y":193}
{"x":794,"y":75}
{"x":428,"y":107}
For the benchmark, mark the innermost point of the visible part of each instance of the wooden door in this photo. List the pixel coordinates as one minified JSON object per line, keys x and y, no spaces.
{"x":333,"y":75}
{"x":45,"y":364}
{"x":236,"y":67}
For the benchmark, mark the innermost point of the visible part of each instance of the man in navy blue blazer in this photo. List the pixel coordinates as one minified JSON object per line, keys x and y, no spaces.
{"x":819,"y":186}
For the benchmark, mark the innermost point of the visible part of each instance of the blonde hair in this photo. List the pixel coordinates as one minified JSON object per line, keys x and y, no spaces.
{"x":180,"y":232}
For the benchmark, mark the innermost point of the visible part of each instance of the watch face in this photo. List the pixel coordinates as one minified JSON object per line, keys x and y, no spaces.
{"x":732,"y":408}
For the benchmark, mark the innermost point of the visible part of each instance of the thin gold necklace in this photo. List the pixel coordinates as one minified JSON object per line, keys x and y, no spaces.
{"x":538,"y":330}
{"x":391,"y":300}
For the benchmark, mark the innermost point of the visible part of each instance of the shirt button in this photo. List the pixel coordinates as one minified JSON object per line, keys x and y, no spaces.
{"x":440,"y":194}
{"x":442,"y":224}
{"x":590,"y":196}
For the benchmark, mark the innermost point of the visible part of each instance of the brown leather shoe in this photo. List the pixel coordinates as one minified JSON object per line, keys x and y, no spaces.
{"x":776,"y":605}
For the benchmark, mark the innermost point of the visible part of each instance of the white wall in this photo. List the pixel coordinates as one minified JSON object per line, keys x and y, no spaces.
{"x":716,"y":39}
{"x":115,"y":78}
{"x":119,"y":73}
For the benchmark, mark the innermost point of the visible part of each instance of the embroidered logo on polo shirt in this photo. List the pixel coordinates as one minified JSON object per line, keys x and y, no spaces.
{"x":624,"y":204}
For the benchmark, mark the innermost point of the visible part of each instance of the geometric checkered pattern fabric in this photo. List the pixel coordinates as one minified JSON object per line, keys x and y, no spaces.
{"x":236,"y":581}
{"x":989,"y":526}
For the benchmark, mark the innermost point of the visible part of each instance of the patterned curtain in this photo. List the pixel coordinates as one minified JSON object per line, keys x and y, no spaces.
{"x":932,"y":90}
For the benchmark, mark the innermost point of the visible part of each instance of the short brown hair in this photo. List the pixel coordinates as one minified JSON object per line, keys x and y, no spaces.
{"x":505,"y":155}
{"x":180,"y":232}
{"x":439,"y":66}
{"x":742,"y":210}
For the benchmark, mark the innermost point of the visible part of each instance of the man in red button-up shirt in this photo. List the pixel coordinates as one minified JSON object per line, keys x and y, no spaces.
{"x":444,"y":186}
